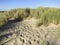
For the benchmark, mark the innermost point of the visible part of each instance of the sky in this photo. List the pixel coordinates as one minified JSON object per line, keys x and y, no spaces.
{"x":11,"y":4}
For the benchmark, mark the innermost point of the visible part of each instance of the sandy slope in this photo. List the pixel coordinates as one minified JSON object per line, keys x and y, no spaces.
{"x":26,"y":33}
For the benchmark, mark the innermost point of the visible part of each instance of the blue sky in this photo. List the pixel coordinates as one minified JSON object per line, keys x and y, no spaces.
{"x":10,"y":4}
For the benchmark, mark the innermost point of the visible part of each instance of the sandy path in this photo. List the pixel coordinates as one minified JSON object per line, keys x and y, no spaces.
{"x":26,"y":33}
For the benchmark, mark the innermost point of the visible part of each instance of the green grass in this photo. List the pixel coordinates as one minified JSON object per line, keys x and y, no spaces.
{"x":2,"y":19}
{"x":45,"y":15}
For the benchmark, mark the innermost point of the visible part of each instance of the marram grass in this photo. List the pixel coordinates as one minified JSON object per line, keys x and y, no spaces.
{"x":45,"y":15}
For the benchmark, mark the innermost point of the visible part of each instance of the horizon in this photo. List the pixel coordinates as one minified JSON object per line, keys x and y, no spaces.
{"x":12,"y":4}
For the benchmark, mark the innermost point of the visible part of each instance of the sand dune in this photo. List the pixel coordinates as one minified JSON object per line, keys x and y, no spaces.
{"x":26,"y":33}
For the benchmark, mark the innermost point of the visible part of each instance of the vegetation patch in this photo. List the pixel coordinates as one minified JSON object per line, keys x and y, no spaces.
{"x":45,"y":15}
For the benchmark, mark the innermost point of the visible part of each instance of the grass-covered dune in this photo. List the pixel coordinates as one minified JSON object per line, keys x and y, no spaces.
{"x":45,"y":15}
